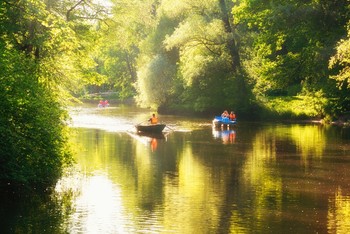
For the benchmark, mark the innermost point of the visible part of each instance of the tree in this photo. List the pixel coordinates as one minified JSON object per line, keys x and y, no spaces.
{"x":288,"y":44}
{"x":291,"y":41}
{"x":154,"y":81}
{"x":40,"y":60}
{"x":209,"y":58}
{"x":153,"y":55}
{"x":34,"y":144}
{"x":341,"y":60}
{"x":121,"y":35}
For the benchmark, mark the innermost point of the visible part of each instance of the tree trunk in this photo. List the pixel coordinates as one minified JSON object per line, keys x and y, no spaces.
{"x":231,"y":44}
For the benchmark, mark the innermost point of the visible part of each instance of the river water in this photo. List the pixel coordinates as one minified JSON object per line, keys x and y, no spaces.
{"x":254,"y":178}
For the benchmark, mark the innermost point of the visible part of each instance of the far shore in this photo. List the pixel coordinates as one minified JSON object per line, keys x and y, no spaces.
{"x":343,"y":121}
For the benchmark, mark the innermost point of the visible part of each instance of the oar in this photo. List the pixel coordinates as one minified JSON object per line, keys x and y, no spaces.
{"x":142,"y":122}
{"x":136,"y":125}
{"x":169,"y":128}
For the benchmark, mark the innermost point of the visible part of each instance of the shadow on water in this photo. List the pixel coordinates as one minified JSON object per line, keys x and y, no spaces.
{"x":41,"y":212}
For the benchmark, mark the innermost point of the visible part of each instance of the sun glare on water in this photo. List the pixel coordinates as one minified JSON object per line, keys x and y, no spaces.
{"x":97,"y":207}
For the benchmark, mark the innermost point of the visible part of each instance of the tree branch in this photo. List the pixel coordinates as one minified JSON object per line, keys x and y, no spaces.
{"x":72,"y":8}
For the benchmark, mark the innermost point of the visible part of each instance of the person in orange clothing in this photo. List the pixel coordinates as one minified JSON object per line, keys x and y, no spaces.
{"x":153,"y":119}
{"x":232,"y":116}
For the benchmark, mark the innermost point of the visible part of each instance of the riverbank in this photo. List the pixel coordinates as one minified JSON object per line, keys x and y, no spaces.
{"x":296,"y":109}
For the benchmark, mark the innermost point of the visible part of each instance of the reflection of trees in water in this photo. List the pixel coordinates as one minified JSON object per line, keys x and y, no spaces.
{"x":264,"y":174}
{"x":306,"y":141}
{"x":339,"y":213}
{"x":194,"y":183}
{"x":41,"y":212}
{"x":261,"y":181}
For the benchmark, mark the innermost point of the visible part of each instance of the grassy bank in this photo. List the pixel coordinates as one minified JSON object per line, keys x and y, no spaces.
{"x":301,"y":108}
{"x":292,"y":108}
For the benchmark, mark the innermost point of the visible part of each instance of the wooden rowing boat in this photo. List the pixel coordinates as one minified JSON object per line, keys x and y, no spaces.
{"x":150,"y":128}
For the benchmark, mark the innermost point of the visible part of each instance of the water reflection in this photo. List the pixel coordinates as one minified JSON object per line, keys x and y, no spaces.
{"x":339,"y":213}
{"x":263,"y":179}
{"x":154,"y":144}
{"x":228,"y":136}
{"x":149,"y":139}
{"x":153,"y":139}
{"x":275,"y":179}
{"x":98,"y":208}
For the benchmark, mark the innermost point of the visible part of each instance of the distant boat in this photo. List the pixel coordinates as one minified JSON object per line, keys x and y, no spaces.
{"x":103,"y":104}
{"x":150,"y":128}
{"x":219,"y":122}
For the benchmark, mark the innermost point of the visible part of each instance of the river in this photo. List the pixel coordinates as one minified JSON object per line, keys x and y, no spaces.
{"x":254,"y":178}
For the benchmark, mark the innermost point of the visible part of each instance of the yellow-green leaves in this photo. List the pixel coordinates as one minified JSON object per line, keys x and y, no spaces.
{"x":342,"y":59}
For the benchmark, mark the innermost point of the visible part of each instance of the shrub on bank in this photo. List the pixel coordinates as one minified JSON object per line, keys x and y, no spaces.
{"x":292,"y":108}
{"x":34,"y":136}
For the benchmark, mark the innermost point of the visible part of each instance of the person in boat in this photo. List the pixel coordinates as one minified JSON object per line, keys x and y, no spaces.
{"x":153,"y":119}
{"x":105,"y":104}
{"x":225,"y":114}
{"x":232,"y":116}
{"x":100,"y":104}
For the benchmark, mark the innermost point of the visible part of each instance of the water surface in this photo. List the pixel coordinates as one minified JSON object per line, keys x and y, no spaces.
{"x":254,"y":178}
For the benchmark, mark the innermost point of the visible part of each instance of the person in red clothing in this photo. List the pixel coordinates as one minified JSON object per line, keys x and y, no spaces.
{"x":232,"y":116}
{"x":105,"y":103}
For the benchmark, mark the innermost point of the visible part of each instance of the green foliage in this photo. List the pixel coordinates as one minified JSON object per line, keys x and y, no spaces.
{"x":118,"y":66}
{"x":64,"y":50}
{"x":215,"y":53}
{"x":297,"y":107}
{"x":341,"y":60}
{"x":157,"y":67}
{"x":200,"y":43}
{"x":292,"y":41}
{"x":207,"y":60}
{"x":47,"y":52}
{"x":287,"y":45}
{"x":33,"y":144}
{"x":121,"y":36}
{"x":154,"y":82}
{"x":198,"y":55}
